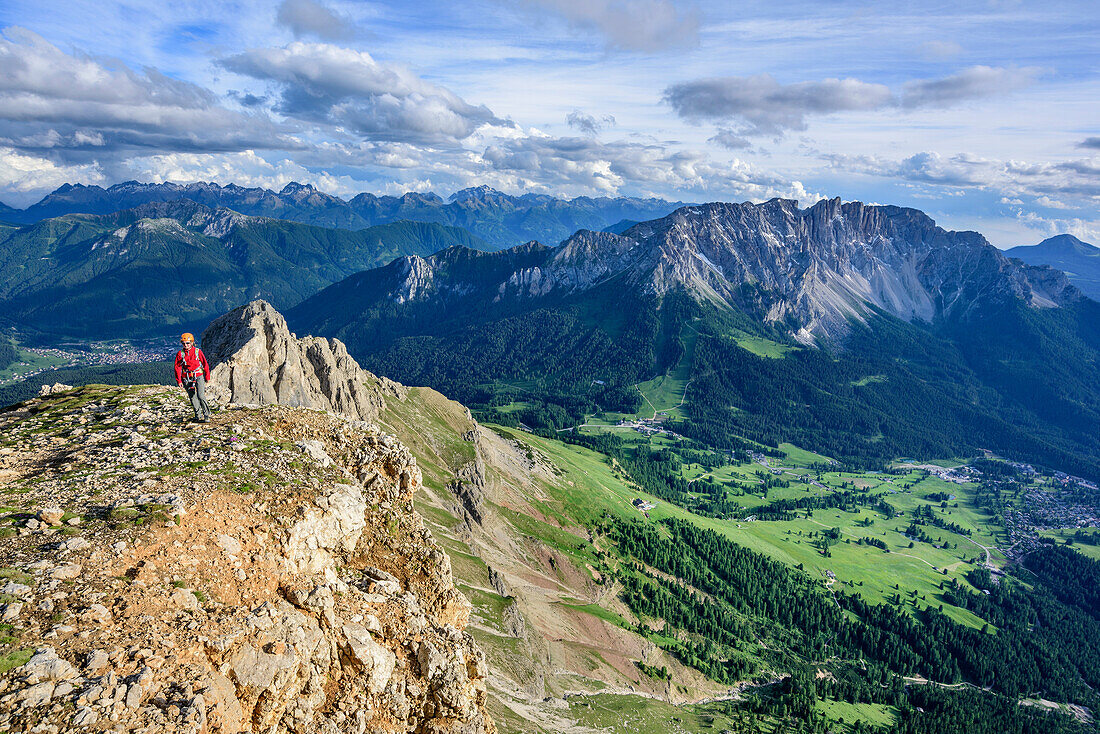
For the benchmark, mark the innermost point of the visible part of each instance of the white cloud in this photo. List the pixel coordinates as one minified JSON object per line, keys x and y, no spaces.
{"x":578,"y":165}
{"x":24,"y":178}
{"x":66,"y":102}
{"x":634,"y":25}
{"x":760,"y":105}
{"x":1068,"y":185}
{"x":1087,"y":230}
{"x":311,"y":18}
{"x":350,"y":90}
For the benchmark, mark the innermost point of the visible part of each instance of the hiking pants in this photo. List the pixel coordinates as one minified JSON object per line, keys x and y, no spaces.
{"x":197,"y":393}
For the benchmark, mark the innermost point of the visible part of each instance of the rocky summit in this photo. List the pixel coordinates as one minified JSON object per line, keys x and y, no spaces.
{"x":262,"y":572}
{"x":257,"y":361}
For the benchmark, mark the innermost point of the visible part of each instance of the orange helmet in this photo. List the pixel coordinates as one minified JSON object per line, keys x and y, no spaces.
{"x":187,"y":336}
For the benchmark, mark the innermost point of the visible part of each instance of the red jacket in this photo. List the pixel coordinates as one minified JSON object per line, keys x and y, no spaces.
{"x":191,"y":360}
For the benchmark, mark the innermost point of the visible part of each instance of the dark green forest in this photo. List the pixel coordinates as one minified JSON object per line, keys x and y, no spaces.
{"x":728,"y":602}
{"x":8,"y":352}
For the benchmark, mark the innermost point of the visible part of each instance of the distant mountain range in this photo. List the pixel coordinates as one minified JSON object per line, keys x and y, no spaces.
{"x":499,"y":219}
{"x":1079,"y":260}
{"x":163,"y":266}
{"x":900,"y":338}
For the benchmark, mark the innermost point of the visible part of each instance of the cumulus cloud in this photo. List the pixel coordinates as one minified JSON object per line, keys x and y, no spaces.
{"x":588,"y":124}
{"x":973,"y":83}
{"x":581,"y":164}
{"x":322,"y":83}
{"x":764,"y":106}
{"x":1066,"y":185}
{"x":24,"y":177}
{"x":924,"y":167}
{"x":760,"y":105}
{"x":51,"y":100}
{"x":1086,"y":230}
{"x":632,"y":25}
{"x":310,"y":18}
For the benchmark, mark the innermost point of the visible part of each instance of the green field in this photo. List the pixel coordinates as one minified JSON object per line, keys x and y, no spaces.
{"x":665,"y":393}
{"x":1086,"y":549}
{"x":592,"y":487}
{"x":761,"y":346}
{"x":28,"y":362}
{"x":871,"y":713}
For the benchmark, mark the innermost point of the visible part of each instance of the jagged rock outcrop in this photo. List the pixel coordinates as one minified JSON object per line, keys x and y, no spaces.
{"x":265,"y":572}
{"x":255,"y":360}
{"x":468,"y":485}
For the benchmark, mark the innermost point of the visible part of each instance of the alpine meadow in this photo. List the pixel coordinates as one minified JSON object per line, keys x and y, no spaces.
{"x":542,"y":367}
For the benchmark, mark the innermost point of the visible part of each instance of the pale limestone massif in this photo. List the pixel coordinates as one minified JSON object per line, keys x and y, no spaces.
{"x":255,"y":360}
{"x":813,"y":270}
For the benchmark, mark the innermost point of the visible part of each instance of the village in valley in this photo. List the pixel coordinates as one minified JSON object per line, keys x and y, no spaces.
{"x":35,"y":361}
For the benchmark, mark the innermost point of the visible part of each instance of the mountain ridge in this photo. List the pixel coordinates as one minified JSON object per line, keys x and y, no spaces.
{"x":1079,"y":260}
{"x":500,"y":219}
{"x":164,"y":265}
{"x":873,"y":308}
{"x":847,"y":256}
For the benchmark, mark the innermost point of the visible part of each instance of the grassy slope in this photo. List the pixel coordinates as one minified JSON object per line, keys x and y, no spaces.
{"x":912,"y":569}
{"x":586,"y":487}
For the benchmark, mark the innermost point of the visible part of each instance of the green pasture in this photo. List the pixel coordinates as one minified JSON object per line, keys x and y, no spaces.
{"x":1060,"y":536}
{"x":761,"y":346}
{"x":623,"y":714}
{"x":875,"y":714}
{"x":590,"y":487}
{"x":28,"y":362}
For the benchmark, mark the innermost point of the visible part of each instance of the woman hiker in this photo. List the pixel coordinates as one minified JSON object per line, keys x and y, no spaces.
{"x":192,"y":373}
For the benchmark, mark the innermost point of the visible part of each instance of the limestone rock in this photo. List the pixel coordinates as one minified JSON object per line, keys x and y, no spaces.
{"x":295,"y":606}
{"x":376,"y":661}
{"x":45,"y":665}
{"x":255,"y":360}
{"x":67,"y":572}
{"x":51,"y":515}
{"x":97,"y":661}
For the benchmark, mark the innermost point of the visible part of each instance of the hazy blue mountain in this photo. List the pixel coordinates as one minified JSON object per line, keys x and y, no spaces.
{"x":620,"y":226}
{"x":8,"y":214}
{"x":497,"y":218}
{"x":1079,"y":260}
{"x":163,"y":265}
{"x":894,"y":336}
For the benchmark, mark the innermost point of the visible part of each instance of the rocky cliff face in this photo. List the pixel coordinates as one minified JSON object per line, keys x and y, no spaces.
{"x":818,"y":268}
{"x":255,"y":360}
{"x":264,"y":572}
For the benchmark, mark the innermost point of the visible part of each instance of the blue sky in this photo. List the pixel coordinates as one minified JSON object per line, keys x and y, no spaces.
{"x":985,"y":115}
